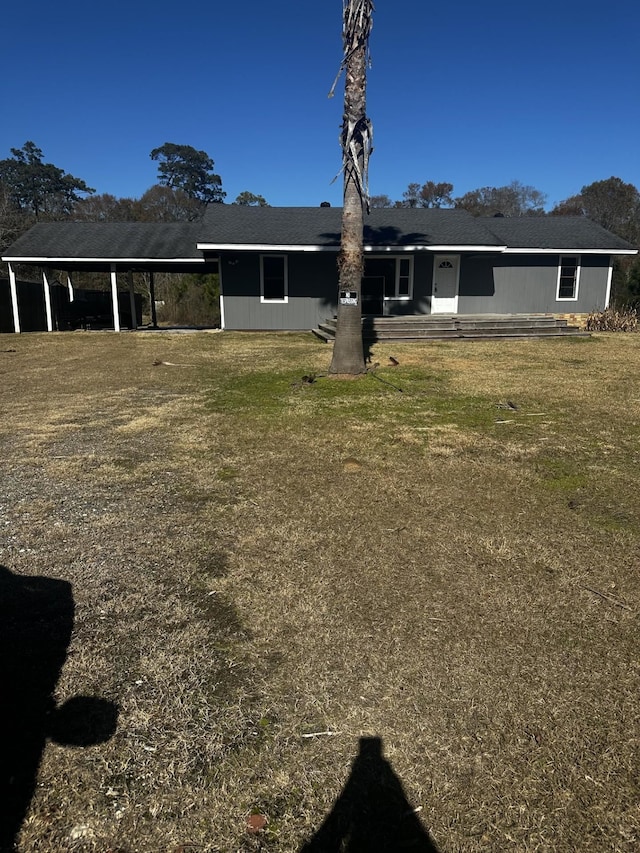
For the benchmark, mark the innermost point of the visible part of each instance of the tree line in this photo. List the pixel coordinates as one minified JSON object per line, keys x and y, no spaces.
{"x":611,"y":203}
{"x":32,"y":190}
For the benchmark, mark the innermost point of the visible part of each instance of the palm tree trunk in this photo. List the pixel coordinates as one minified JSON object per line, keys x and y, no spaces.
{"x":348,"y":351}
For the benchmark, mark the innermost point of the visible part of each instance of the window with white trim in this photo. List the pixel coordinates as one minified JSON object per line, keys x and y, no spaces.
{"x":274,"y":285}
{"x":404,"y":276}
{"x":568,"y":278}
{"x":395,"y":273}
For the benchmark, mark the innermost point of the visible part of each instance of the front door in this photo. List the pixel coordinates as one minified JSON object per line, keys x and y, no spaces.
{"x":446,"y":276}
{"x":372,"y":295}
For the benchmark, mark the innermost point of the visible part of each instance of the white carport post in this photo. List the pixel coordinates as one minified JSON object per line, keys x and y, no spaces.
{"x":114,"y":299}
{"x":132,"y":302}
{"x":47,"y":298}
{"x":70,"y":287}
{"x":14,"y":299}
{"x":609,"y":280}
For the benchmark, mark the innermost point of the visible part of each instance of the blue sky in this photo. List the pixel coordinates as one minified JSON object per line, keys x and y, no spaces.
{"x":474,"y":94}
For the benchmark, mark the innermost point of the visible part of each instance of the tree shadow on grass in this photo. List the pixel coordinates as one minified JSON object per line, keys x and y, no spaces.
{"x":36,"y":621}
{"x":372,"y":813}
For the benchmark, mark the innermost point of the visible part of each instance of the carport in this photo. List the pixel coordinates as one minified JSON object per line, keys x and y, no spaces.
{"x":117,"y":249}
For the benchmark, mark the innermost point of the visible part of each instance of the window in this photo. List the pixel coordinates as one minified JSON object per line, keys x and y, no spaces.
{"x":568,"y":277}
{"x":403,"y":277}
{"x":395,"y":274}
{"x":273,"y":278}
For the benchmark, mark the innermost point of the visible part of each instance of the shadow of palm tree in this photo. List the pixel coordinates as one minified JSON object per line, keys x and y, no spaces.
{"x":36,"y":621}
{"x":372,"y":813}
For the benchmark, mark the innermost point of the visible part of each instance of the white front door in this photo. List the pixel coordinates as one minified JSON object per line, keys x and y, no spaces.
{"x":446,"y":276}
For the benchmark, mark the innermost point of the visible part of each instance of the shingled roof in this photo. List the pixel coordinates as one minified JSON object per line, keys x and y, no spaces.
{"x":235,"y":225}
{"x":107,"y":241}
{"x":553,"y":232}
{"x":238,"y":227}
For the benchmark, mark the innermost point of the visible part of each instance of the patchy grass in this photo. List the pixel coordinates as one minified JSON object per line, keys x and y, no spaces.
{"x":267,"y":569}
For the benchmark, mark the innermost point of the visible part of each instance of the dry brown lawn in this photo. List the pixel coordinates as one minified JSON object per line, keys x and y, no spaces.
{"x":443,"y":554}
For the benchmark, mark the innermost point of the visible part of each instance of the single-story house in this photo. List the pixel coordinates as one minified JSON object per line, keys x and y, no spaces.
{"x":278,"y":265}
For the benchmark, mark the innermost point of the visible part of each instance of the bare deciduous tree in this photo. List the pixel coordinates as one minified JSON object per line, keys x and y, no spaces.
{"x":515,"y":199}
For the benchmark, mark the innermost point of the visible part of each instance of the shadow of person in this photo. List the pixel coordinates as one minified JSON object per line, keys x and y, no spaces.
{"x":36,"y":620}
{"x":372,"y":813}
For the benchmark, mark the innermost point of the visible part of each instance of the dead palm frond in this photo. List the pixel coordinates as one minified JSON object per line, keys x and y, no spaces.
{"x":356,"y":138}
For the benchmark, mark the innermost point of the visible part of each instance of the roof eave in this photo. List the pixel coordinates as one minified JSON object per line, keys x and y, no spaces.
{"x":284,"y":247}
{"x":568,"y":250}
{"x":463,"y":247}
{"x":27,"y":259}
{"x":263,"y":247}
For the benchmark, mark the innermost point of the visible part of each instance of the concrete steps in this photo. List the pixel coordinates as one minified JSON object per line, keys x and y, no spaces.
{"x":443,"y":327}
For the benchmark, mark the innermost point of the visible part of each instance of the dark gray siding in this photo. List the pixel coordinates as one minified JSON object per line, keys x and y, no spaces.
{"x":593,"y":284}
{"x":313,"y":291}
{"x":522,"y":284}
{"x":489,"y":284}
